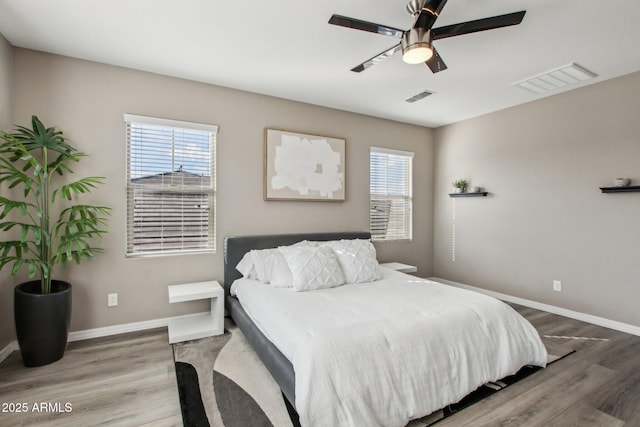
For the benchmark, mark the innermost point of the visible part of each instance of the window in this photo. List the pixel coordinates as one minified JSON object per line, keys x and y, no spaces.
{"x":390,"y":188}
{"x":170,"y":186}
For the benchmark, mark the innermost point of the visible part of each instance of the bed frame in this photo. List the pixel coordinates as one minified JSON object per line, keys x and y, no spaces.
{"x":234,"y":249}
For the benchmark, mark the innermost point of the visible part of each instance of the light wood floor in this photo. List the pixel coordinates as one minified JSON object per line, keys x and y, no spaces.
{"x":598,"y":385}
{"x":123,"y":380}
{"x":129,"y":380}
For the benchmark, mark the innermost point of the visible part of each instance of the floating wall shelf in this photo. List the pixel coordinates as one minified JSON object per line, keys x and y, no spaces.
{"x":478,"y":194}
{"x":628,"y":189}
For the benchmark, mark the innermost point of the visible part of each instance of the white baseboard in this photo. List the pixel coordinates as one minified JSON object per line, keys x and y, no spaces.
{"x":596,"y":320}
{"x":106,"y":331}
{"x":10,"y":348}
{"x":124,"y":328}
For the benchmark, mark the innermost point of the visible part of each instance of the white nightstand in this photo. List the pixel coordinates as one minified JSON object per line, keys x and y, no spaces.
{"x":398,"y":266}
{"x":201,"y":325}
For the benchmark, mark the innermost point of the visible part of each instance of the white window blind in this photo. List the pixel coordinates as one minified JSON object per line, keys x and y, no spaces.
{"x":390,"y":187}
{"x":170,"y":186}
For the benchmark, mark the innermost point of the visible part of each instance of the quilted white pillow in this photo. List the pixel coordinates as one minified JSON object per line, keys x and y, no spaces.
{"x":313,"y":267}
{"x":357,"y":257}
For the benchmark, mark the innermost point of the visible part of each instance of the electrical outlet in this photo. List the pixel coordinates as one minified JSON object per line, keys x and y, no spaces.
{"x":112,"y":300}
{"x":557,"y":285}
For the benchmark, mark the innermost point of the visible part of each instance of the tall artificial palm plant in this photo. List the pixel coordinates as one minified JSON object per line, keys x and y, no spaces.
{"x":33,"y":160}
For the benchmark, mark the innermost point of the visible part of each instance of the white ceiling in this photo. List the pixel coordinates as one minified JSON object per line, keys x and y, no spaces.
{"x":286,"y":48}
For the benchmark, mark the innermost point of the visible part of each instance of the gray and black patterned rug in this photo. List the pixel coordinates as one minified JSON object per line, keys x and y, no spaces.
{"x":223,"y":383}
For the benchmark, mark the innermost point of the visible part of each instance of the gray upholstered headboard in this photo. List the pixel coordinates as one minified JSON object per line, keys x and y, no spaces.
{"x":236,"y":247}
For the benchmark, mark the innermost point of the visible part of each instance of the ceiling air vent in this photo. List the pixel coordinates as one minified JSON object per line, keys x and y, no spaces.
{"x":419,"y":96}
{"x":555,"y":79}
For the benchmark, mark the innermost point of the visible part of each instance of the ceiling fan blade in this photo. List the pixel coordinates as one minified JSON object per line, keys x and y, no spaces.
{"x":370,"y":27}
{"x":435,"y":63}
{"x":478,"y":25}
{"x":378,"y":58}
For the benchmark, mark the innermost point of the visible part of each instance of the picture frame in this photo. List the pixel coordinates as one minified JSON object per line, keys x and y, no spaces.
{"x":301,"y":166}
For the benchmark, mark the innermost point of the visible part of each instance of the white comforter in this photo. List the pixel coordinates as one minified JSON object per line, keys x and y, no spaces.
{"x":386,"y":352}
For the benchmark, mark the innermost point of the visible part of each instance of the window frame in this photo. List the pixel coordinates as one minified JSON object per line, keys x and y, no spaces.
{"x":407,"y":196}
{"x":210,"y":189}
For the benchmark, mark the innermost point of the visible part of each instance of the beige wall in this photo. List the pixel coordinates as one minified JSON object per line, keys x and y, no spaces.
{"x":87,"y":100}
{"x":6,"y":281}
{"x":545,"y":217}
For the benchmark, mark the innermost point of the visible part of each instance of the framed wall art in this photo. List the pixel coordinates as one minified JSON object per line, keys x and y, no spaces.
{"x":300,"y":166}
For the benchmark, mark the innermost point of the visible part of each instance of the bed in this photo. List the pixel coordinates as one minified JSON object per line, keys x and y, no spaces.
{"x":367,"y":362}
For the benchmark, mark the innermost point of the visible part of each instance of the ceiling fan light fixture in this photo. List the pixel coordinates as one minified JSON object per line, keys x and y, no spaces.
{"x":416,"y":46}
{"x":417,"y":54}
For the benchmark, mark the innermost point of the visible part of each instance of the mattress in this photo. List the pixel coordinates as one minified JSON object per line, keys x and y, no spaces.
{"x":386,"y":352}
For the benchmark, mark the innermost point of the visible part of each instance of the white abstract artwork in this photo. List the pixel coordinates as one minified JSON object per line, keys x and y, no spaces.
{"x":300,"y":166}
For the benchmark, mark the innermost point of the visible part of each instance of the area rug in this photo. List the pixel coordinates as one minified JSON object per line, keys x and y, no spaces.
{"x":223,"y":383}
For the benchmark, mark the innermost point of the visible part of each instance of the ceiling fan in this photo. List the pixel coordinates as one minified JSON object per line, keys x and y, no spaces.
{"x":417,"y":42}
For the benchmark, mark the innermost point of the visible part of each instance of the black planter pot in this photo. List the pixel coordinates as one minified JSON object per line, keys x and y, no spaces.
{"x":42,"y":321}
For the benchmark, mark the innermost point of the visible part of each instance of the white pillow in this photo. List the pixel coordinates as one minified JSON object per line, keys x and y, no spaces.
{"x":357,"y":257}
{"x":245,"y":266}
{"x":313,"y":267}
{"x":271,"y":267}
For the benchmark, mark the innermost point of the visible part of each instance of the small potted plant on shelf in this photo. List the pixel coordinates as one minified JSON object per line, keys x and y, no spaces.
{"x":48,"y":229}
{"x":460,"y":185}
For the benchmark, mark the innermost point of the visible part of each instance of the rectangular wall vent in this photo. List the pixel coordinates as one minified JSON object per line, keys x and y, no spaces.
{"x":555,"y":79}
{"x":419,"y":96}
